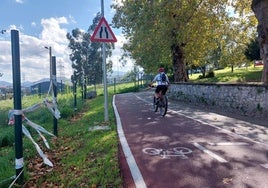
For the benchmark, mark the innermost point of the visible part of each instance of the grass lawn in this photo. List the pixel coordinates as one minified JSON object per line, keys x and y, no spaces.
{"x":239,"y":75}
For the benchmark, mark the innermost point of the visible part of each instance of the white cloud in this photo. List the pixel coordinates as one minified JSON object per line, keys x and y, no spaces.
{"x":33,"y":24}
{"x":20,"y":1}
{"x":52,"y":32}
{"x":34,"y":58}
{"x":117,"y":53}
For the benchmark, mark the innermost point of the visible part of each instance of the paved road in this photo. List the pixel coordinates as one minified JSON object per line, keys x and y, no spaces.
{"x":188,"y":147}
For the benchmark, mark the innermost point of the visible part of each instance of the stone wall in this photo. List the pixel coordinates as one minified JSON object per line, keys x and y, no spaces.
{"x":245,"y":99}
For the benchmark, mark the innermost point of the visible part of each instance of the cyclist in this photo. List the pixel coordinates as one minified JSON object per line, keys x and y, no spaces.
{"x":162,"y":83}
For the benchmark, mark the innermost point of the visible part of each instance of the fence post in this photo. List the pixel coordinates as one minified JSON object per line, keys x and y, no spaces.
{"x":54,"y":81}
{"x":19,"y":163}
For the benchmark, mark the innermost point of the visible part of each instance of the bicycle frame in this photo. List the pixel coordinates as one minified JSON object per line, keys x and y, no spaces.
{"x":162,"y":105}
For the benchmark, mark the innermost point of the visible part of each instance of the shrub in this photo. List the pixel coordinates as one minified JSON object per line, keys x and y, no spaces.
{"x":7,"y":136}
{"x":210,"y":74}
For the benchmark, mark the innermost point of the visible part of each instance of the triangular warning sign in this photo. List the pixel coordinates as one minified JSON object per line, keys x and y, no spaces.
{"x":103,"y":32}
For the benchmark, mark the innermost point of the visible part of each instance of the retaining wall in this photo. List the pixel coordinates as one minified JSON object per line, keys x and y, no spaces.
{"x":245,"y":99}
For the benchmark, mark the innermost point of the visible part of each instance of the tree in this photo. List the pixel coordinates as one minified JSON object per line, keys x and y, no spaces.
{"x":86,"y":55}
{"x":176,"y":33}
{"x":253,"y":50}
{"x":260,"y":9}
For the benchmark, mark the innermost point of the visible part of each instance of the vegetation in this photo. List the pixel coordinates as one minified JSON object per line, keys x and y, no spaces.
{"x":81,"y":158}
{"x":181,"y":34}
{"x":253,"y":50}
{"x":86,"y":55}
{"x":242,"y":74}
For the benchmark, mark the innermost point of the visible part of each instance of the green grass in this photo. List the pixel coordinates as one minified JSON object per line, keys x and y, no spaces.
{"x":239,"y":75}
{"x":84,"y":158}
{"x":81,"y":158}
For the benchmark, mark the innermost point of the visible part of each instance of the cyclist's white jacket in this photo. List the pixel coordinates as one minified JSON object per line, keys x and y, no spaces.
{"x":158,"y":79}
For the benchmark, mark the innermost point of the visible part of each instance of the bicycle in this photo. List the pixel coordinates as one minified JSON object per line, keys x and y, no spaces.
{"x":162,"y":104}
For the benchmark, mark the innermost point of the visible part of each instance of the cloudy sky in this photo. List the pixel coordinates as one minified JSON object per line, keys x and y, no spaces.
{"x":45,"y":23}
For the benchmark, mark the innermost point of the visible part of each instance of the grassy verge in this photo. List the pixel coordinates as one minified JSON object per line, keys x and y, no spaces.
{"x":81,"y":158}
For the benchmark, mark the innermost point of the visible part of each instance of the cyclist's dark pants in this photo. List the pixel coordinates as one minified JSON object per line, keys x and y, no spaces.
{"x":162,"y":88}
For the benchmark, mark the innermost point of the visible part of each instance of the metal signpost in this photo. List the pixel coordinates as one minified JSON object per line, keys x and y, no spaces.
{"x":103,"y":33}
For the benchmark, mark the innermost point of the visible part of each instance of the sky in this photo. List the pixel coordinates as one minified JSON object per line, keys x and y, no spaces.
{"x":45,"y":23}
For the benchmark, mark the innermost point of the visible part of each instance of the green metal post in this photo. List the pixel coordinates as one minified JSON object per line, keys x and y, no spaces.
{"x":19,"y":163}
{"x":55,"y":91}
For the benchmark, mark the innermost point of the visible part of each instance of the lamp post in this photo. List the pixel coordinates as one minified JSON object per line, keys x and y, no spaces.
{"x":53,"y":80}
{"x":50,"y":61}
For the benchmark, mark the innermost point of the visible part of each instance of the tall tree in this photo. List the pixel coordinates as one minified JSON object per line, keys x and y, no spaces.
{"x":253,"y":50}
{"x":176,"y":33}
{"x":171,"y":32}
{"x":260,"y":8}
{"x":86,"y":55}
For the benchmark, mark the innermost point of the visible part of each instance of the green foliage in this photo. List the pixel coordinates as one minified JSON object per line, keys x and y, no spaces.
{"x":86,"y":56}
{"x":93,"y":162}
{"x":253,"y":50}
{"x":7,"y":136}
{"x":155,"y":29}
{"x":210,"y":74}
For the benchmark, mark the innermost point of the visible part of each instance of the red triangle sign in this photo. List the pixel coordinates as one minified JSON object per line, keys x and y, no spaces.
{"x":103,"y":32}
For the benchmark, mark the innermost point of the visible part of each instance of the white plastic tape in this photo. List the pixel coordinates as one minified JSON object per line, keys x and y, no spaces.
{"x":17,"y":112}
{"x":19,"y":163}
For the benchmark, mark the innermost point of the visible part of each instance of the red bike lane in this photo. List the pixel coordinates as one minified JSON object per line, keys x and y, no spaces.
{"x":178,"y":151}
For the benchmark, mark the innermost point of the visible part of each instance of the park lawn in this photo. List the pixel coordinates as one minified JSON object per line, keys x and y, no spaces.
{"x":239,"y":75}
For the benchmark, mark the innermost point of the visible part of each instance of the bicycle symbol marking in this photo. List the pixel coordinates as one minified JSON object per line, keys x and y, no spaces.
{"x":180,"y":152}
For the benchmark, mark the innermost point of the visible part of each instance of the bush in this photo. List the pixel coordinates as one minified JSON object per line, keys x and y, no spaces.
{"x":7,"y":136}
{"x":210,"y":74}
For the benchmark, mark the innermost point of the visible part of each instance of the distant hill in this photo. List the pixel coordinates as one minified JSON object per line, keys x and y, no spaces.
{"x":5,"y":84}
{"x":29,"y":84}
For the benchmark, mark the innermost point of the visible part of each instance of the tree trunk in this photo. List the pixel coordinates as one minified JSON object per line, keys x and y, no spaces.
{"x":179,"y":66}
{"x":260,"y":9}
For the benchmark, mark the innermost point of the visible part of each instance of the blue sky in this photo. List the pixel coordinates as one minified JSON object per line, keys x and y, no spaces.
{"x":45,"y":23}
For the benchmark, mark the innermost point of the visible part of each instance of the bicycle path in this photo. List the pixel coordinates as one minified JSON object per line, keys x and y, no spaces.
{"x":187,"y":150}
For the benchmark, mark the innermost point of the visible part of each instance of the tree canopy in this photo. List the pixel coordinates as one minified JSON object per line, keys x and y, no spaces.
{"x":86,"y":55}
{"x":253,"y":50}
{"x":178,"y":34}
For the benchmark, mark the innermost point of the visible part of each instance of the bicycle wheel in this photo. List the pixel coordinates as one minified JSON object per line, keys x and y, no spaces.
{"x":155,"y":106}
{"x":151,"y":151}
{"x":182,"y":150}
{"x":164,"y":106}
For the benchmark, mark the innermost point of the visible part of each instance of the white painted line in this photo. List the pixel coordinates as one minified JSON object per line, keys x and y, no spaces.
{"x":265,"y":165}
{"x":229,"y":144}
{"x":222,"y":129}
{"x":215,"y":156}
{"x":134,"y":169}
